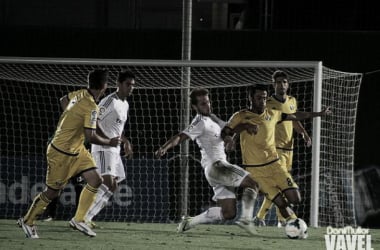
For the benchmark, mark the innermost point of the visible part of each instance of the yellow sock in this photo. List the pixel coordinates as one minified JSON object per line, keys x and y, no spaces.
{"x":38,"y":206}
{"x":87,"y":197}
{"x":291,"y":216}
{"x":265,"y":207}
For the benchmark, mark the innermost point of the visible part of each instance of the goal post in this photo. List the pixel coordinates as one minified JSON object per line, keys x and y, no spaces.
{"x":159,"y":190}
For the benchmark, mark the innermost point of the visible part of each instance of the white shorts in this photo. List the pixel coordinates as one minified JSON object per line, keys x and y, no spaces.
{"x":224,"y":177}
{"x":109,"y":163}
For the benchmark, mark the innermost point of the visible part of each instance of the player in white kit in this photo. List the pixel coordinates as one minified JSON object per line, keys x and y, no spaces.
{"x":113,"y":113}
{"x":222,"y":176}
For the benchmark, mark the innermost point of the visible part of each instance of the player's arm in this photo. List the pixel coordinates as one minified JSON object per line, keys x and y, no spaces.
{"x":298,"y":116}
{"x":128,"y":148}
{"x":64,"y":101}
{"x":171,"y":143}
{"x":94,"y":138}
{"x":297,"y":125}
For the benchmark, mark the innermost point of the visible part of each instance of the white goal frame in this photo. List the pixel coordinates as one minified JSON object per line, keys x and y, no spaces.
{"x":317,"y":98}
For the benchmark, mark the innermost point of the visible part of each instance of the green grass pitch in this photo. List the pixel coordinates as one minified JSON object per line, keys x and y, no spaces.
{"x":122,"y":235}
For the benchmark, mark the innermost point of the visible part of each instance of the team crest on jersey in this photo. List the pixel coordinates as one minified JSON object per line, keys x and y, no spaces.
{"x":291,"y":106}
{"x":102,"y":110}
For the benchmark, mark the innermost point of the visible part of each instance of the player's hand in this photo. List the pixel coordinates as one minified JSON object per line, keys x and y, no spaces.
{"x":307,"y":140}
{"x":251,"y":128}
{"x":128,"y":149}
{"x":160,"y":152}
{"x":116,"y":141}
{"x":326,"y":111}
{"x":229,"y":144}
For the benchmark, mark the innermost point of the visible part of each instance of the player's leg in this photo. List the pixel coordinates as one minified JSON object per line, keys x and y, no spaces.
{"x":286,"y":159}
{"x":40,"y":202}
{"x":105,"y":192}
{"x":266,"y":205}
{"x":88,"y":194}
{"x":227,"y":174}
{"x":226,"y":201}
{"x":111,"y":168}
{"x":56,"y":178}
{"x":283,"y":207}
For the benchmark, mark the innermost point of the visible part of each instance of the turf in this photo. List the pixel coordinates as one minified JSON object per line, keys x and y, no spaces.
{"x":120,"y":235}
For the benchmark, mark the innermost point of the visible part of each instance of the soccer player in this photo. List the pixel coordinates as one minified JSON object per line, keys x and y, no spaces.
{"x":222,"y":176}
{"x":259,"y":153}
{"x":67,"y":155}
{"x":285,"y":103}
{"x":111,"y":121}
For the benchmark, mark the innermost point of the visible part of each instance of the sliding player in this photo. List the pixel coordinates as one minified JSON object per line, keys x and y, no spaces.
{"x":111,"y":121}
{"x":285,"y":103}
{"x":259,"y":150}
{"x":221,"y":175}
{"x":67,"y":156}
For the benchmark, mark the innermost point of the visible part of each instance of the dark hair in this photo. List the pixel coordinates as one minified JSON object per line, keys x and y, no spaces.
{"x":195,"y":93}
{"x":252,"y":89}
{"x":124,"y":75}
{"x":97,"y":78}
{"x":279,"y":73}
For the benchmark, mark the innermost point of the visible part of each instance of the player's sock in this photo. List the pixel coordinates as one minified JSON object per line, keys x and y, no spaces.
{"x":100,"y":202}
{"x":265,"y":207}
{"x":212,"y":214}
{"x":86,"y":199}
{"x":291,"y":213}
{"x":38,"y":206}
{"x":99,"y":196}
{"x":248,"y":202}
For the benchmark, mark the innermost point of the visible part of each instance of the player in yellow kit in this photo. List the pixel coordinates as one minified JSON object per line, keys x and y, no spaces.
{"x":68,"y":157}
{"x":285,"y":103}
{"x":259,"y":153}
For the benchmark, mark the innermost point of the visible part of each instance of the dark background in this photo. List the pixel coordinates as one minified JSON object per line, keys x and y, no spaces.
{"x":344,"y":34}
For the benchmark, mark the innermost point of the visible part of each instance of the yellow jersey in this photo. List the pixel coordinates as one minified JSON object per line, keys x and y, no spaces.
{"x":80,"y":113}
{"x":259,"y":149}
{"x":284,"y":129}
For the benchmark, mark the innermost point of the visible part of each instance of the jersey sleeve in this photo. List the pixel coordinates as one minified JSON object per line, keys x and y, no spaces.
{"x":234,"y":120}
{"x":90,"y":117}
{"x":195,"y":129}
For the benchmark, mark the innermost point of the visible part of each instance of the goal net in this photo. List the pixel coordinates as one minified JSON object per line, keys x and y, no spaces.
{"x":161,"y":190}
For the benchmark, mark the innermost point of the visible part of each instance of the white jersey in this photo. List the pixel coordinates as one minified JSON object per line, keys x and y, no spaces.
{"x":207,"y":132}
{"x":113,"y":113}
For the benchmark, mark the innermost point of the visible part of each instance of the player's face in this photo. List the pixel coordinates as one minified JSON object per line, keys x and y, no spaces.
{"x":259,"y":100}
{"x":203,"y":105}
{"x":126,"y":87}
{"x":102,"y":90}
{"x":281,"y":85}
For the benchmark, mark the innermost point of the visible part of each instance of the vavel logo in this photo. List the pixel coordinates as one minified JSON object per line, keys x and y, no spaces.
{"x":348,"y":238}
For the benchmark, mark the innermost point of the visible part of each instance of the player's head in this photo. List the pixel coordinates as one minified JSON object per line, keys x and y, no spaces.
{"x":125,"y":83}
{"x":98,"y":80}
{"x":258,"y":95}
{"x":280,"y":82}
{"x":200,"y":101}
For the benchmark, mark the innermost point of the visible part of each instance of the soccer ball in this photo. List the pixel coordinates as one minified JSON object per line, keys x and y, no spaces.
{"x":296,"y":229}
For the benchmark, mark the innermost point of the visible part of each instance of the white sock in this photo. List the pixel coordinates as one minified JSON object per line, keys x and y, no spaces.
{"x":101,"y":200}
{"x":248,"y":203}
{"x":213,"y":214}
